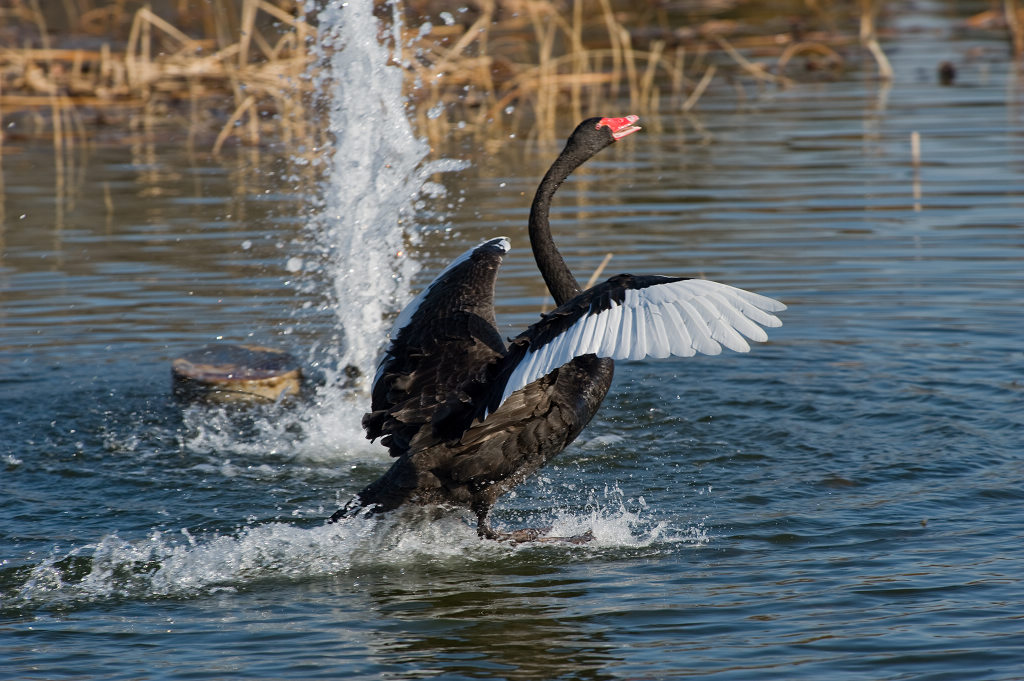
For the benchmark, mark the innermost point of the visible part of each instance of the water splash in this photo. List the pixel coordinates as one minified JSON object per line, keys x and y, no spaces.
{"x":370,"y":206}
{"x":180,"y":564}
{"x":359,"y":243}
{"x":373,"y":179}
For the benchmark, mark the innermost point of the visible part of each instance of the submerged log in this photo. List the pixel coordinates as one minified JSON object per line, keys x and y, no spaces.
{"x":236,"y":374}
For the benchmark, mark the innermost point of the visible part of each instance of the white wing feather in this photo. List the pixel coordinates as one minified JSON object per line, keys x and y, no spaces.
{"x":624,"y":346}
{"x":700,"y":334}
{"x":639,"y":328}
{"x":678,"y":318}
{"x":613,"y":323}
{"x":681,"y":341}
{"x":658,"y":338}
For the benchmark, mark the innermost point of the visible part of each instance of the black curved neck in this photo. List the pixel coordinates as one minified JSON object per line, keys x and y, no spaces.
{"x":559,"y":279}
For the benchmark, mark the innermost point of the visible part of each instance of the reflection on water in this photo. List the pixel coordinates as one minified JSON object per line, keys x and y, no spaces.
{"x":526,"y":631}
{"x":136,"y":267}
{"x":842,"y":502}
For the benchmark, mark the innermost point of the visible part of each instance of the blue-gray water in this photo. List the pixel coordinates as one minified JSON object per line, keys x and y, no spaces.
{"x":844,"y":502}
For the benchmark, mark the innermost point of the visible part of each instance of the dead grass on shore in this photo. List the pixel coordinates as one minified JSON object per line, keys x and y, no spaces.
{"x":237,"y":71}
{"x":137,"y":71}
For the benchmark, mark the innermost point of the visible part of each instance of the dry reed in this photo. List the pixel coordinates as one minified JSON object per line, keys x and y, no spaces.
{"x":236,"y":71}
{"x":241,"y":82}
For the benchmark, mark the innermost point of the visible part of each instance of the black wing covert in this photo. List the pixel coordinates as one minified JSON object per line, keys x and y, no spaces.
{"x":441,"y":346}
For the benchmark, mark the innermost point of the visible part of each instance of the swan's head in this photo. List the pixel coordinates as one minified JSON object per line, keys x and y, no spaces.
{"x":594,"y":134}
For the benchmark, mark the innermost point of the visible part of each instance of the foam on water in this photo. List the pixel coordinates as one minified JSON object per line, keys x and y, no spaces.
{"x":181,"y":564}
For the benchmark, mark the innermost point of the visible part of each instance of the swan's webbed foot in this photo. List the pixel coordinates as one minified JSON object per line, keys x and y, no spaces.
{"x":575,"y":539}
{"x":515,"y":536}
{"x":528,"y":534}
{"x":353,"y":508}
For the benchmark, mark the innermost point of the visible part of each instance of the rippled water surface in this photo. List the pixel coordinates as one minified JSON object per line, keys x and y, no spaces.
{"x":842,"y":502}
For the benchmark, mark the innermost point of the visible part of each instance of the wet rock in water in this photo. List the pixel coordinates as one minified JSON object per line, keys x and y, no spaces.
{"x":235,"y":373}
{"x":947,"y":73}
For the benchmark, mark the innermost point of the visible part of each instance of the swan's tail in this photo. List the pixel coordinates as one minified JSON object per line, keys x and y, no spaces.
{"x":353,"y":508}
{"x":386,"y":493}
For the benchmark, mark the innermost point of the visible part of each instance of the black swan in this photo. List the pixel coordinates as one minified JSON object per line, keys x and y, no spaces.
{"x":469,"y":419}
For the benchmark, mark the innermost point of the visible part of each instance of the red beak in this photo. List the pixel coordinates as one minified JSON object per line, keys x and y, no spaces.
{"x":621,"y":127}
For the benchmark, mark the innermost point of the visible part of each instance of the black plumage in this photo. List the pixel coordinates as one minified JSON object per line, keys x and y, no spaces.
{"x":468,"y":419}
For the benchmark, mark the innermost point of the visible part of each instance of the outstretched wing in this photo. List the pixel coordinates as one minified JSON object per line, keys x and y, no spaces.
{"x":443,"y":339}
{"x":632,"y":317}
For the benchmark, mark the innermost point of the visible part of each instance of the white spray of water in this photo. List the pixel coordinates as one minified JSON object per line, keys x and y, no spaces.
{"x":360,"y":246}
{"x":180,"y":564}
{"x":367,"y":223}
{"x":373,"y":178}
